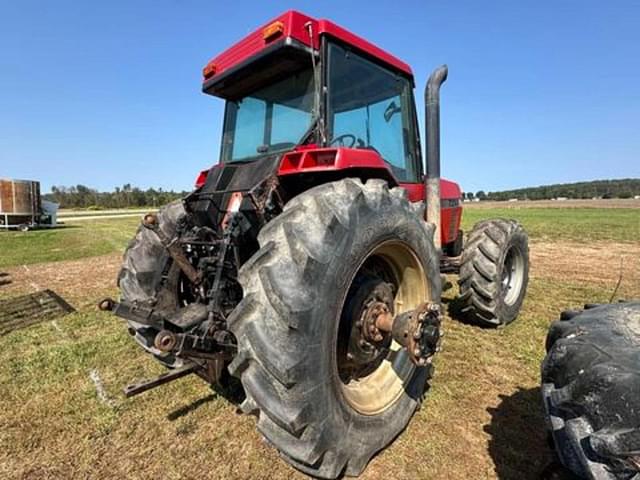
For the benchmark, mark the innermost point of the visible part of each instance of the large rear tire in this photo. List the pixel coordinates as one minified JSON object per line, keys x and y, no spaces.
{"x":291,"y":323}
{"x":149,"y":278}
{"x":591,"y":390}
{"x":494,"y":272}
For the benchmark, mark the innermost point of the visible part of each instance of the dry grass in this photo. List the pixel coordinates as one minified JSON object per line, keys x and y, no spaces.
{"x":79,"y":282}
{"x":597,"y":263}
{"x":481,"y":419}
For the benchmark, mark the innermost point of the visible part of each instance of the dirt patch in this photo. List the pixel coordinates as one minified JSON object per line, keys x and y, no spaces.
{"x":82,"y":283}
{"x":598,"y":262}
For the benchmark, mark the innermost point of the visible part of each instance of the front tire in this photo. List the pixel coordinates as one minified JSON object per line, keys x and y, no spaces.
{"x":290,"y":324}
{"x":494,"y":272}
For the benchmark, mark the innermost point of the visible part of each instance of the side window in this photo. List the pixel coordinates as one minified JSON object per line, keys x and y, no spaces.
{"x":369,"y":107}
{"x":250,"y":113}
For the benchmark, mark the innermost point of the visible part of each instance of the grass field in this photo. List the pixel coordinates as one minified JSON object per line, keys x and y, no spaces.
{"x":584,"y":225}
{"x":68,"y":242}
{"x":481,"y":419}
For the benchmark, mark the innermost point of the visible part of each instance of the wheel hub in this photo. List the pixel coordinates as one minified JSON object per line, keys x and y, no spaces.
{"x":367,"y":323}
{"x":373,"y":364}
{"x":367,"y":345}
{"x":512,"y":275}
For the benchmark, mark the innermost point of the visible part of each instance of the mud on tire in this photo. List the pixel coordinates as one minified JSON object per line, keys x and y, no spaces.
{"x":591,"y":390}
{"x":494,"y":272}
{"x":287,"y":324}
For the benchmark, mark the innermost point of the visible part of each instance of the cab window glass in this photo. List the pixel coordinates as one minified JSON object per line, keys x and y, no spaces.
{"x":369,"y":107}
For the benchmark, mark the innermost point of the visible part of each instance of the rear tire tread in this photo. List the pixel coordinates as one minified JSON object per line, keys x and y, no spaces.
{"x":271,"y":325}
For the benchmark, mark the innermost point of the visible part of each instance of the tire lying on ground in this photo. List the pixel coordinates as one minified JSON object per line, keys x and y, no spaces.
{"x":494,"y":272}
{"x":591,"y":390}
{"x":326,"y":414}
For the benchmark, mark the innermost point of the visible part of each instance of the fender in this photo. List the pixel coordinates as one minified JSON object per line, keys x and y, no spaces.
{"x":309,"y":165}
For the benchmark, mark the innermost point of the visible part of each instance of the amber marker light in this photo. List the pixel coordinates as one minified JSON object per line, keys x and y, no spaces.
{"x":272,"y":31}
{"x":209,"y":70}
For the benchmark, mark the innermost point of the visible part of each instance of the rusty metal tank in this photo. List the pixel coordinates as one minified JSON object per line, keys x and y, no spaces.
{"x":19,"y":197}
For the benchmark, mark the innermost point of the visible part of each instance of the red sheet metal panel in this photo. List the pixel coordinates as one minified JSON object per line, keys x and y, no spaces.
{"x":293,"y":24}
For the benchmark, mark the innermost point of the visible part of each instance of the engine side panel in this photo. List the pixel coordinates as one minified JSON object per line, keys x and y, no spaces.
{"x":450,"y":206}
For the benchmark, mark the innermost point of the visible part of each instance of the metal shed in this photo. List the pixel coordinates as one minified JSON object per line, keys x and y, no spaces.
{"x":20,"y":204}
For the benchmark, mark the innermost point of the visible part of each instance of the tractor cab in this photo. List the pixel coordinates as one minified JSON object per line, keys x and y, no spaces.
{"x":352,"y":101}
{"x":324,"y":102}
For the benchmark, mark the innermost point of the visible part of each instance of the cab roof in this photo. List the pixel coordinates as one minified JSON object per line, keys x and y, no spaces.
{"x":289,"y":27}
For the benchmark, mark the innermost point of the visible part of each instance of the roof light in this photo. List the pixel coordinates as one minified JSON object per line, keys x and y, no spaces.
{"x":209,"y":70}
{"x":272,"y":31}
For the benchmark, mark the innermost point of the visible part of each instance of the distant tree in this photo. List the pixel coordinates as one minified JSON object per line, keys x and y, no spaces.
{"x":596,"y":188}
{"x":481,"y":195}
{"x":81,"y":196}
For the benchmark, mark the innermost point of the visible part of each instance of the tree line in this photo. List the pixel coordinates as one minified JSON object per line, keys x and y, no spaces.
{"x":81,"y":196}
{"x":622,"y":188}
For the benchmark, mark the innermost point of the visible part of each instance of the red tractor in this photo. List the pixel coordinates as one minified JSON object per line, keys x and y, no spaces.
{"x":305,"y":262}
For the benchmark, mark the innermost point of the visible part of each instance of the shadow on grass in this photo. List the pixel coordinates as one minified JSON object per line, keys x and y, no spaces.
{"x":187,"y":409}
{"x":4,"y":279}
{"x":60,"y":226}
{"x":31,"y":231}
{"x":454,"y":309}
{"x":518,"y":443}
{"x":231,"y":391}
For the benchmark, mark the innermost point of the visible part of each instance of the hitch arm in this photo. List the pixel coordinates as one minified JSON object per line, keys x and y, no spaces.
{"x":144,"y":385}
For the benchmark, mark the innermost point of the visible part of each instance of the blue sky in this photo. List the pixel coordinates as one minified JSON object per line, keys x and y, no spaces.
{"x":106,"y":93}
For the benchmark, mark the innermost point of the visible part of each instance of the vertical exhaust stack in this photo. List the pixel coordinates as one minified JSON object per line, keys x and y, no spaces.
{"x":432,"y":125}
